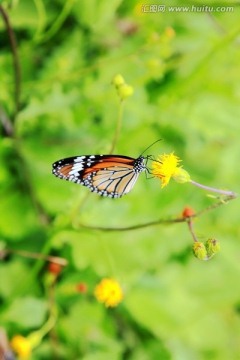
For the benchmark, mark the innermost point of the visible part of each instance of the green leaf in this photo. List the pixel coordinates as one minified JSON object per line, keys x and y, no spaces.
{"x":9,"y":280}
{"x":27,"y":312}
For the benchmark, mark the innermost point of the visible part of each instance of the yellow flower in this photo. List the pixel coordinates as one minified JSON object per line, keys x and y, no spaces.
{"x":21,"y":346}
{"x":109,"y":292}
{"x":166,"y":167}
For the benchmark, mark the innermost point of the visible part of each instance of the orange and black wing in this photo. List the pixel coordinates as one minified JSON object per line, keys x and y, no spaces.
{"x":107,"y":175}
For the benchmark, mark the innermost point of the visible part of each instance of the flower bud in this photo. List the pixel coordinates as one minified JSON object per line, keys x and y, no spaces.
{"x":199,"y":250}
{"x":188,"y":212}
{"x":54,"y":268}
{"x":212,"y":247}
{"x":118,"y":80}
{"x":81,"y":287}
{"x":181,"y":176}
{"x":124,"y":91}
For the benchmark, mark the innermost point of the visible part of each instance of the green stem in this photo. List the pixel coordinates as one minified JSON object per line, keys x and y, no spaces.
{"x":58,"y":23}
{"x":208,"y":188}
{"x":36,"y":337}
{"x":42,"y":19}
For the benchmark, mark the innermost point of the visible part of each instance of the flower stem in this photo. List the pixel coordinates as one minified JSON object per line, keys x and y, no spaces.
{"x":57,"y":24}
{"x":190,"y":226}
{"x":36,"y":337}
{"x":222,"y":192}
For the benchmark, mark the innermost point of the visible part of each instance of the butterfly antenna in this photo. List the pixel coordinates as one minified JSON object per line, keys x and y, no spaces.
{"x":150,"y":146}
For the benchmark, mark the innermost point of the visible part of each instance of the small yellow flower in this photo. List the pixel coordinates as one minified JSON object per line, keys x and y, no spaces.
{"x":21,"y":346}
{"x":166,"y":167}
{"x":109,"y":292}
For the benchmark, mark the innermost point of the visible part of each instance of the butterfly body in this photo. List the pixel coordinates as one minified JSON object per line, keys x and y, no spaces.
{"x":107,"y":175}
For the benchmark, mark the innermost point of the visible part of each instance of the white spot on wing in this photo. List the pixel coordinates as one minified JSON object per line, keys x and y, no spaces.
{"x":76,"y":168}
{"x":79,"y":159}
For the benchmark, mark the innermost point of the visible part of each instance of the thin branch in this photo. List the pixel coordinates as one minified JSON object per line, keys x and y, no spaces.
{"x":16,"y":64}
{"x":222,"y":201}
{"x":133,"y":227}
{"x":190,"y":226}
{"x":54,"y":259}
{"x":157,"y":222}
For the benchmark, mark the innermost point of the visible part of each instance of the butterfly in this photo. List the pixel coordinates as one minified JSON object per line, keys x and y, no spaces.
{"x":107,"y":175}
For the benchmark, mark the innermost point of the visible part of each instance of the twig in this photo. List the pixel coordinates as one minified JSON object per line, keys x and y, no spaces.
{"x":190,"y":226}
{"x":157,"y":222}
{"x":133,"y":227}
{"x":33,"y":255}
{"x":221,"y":202}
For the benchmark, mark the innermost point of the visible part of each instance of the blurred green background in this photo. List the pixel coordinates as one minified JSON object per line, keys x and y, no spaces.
{"x":185,"y":70}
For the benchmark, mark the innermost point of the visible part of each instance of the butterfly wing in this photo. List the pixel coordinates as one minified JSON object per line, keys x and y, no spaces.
{"x":107,"y":175}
